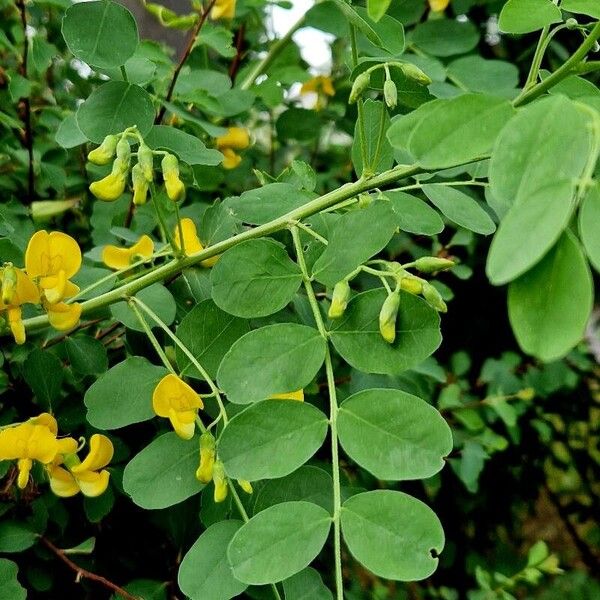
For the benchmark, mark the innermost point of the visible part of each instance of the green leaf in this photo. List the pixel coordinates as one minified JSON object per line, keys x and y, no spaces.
{"x":550,"y":305}
{"x":306,"y":585}
{"x":589,"y":225}
{"x":357,"y":236}
{"x":377,"y":8}
{"x":460,"y":208}
{"x":445,"y":37}
{"x":87,"y":355}
{"x":389,"y":31}
{"x":359,"y":21}
{"x":68,"y":134}
{"x":278,"y":542}
{"x":255,"y":278}
{"x":9,"y":584}
{"x":271,"y":439}
{"x":113,"y":107}
{"x":264,"y":204}
{"x":379,"y":154}
{"x":458,"y":130}
{"x":308,"y":483}
{"x":357,"y":339}
{"x":208,"y":333}
{"x":204,"y":573}
{"x":392,"y":534}
{"x":413,"y":215}
{"x":44,"y":374}
{"x":187,"y":147}
{"x":157,"y":297}
{"x":123,"y":395}
{"x":163,"y":473}
{"x":529,"y":230}
{"x":585,"y":7}
{"x":271,"y":360}
{"x":298,"y":124}
{"x":518,"y":169}
{"x":525,"y":16}
{"x":394,"y":435}
{"x":16,"y":536}
{"x":476,"y":74}
{"x":103,"y":34}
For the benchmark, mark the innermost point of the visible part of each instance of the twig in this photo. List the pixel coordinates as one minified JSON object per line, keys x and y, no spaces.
{"x":26,"y":106}
{"x":84,"y":573}
{"x":79,"y":327}
{"x":237,"y":59}
{"x":184,"y":57}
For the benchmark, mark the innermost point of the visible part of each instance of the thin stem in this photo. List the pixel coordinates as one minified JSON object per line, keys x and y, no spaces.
{"x":185,"y":350}
{"x":273,"y":53}
{"x":152,"y":337}
{"x":184,"y":57}
{"x":366,"y":168}
{"x":181,"y":248}
{"x":333,"y":410}
{"x":124,"y":73}
{"x":310,"y":231}
{"x":166,"y":233}
{"x":565,"y":70}
{"x":418,"y":186}
{"x":537,"y":59}
{"x":380,"y":136}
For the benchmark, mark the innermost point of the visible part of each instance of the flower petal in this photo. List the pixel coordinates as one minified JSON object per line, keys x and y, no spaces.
{"x":115,"y":257}
{"x":100,"y":454}
{"x":236,"y":138}
{"x":37,"y":248}
{"x":67,"y":248}
{"x":297,"y":395}
{"x":64,"y":316}
{"x":231,"y":160}
{"x":191,"y":240}
{"x":183,"y":426}
{"x":24,"y":465}
{"x":62,"y":483}
{"x":93,"y":484}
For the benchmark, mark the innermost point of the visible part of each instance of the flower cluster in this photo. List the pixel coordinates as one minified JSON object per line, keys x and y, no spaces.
{"x":36,"y":440}
{"x":51,"y":260}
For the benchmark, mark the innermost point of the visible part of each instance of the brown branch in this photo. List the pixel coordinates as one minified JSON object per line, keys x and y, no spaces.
{"x":237,"y":59}
{"x":79,"y":327}
{"x":25,"y":105}
{"x":184,"y":57}
{"x":82,"y":573}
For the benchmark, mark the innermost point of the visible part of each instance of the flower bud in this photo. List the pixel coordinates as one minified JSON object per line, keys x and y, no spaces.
{"x":431,"y":264}
{"x":140,"y":185}
{"x":220,"y":482}
{"x":109,"y":188}
{"x":245,"y":485}
{"x":390,"y":93}
{"x":526,"y":394}
{"x":146,"y":161}
{"x":387,"y":317}
{"x":103,"y":154}
{"x":9,"y":283}
{"x":433,"y":297}
{"x":123,"y":150}
{"x":411,"y":284}
{"x":170,"y":165}
{"x":204,"y":473}
{"x":571,"y":23}
{"x":339,"y":300}
{"x":173,"y":185}
{"x":361,"y":83}
{"x":413,"y":72}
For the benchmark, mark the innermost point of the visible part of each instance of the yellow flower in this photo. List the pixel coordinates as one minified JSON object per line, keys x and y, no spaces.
{"x":176,"y":400}
{"x":88,"y":476}
{"x":52,"y":259}
{"x":170,"y":172}
{"x":17,"y":289}
{"x":120,"y":258}
{"x":322,"y":86}
{"x":109,"y":188}
{"x":204,"y":472}
{"x":236,"y":138}
{"x":63,"y":316}
{"x":220,"y":482}
{"x":438,"y":5}
{"x":297,"y":395}
{"x":223,"y":9}
{"x":191,"y":241}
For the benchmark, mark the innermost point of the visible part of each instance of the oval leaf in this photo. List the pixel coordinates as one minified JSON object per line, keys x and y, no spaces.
{"x":271,"y":439}
{"x":271,"y":360}
{"x":272,"y":546}
{"x":407,"y":529}
{"x":413,"y":215}
{"x":589,"y":225}
{"x":525,"y":16}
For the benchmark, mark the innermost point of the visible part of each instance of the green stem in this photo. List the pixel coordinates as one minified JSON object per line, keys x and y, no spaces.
{"x":333,"y":411}
{"x":537,"y":59}
{"x":166,"y":234}
{"x":588,"y":67}
{"x":310,"y":231}
{"x":366,"y":168}
{"x":152,"y":337}
{"x":380,"y":136}
{"x":174,"y":267}
{"x":185,"y":350}
{"x":569,"y":67}
{"x":273,"y":53}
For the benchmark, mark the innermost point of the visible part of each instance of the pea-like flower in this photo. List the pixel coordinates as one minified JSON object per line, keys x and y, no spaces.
{"x":69,"y":476}
{"x":17,"y":289}
{"x":236,"y":138}
{"x":109,"y":188}
{"x":223,"y":9}
{"x":173,"y":184}
{"x":322,"y":86}
{"x":103,"y":154}
{"x":191,"y":241}
{"x":117,"y":258}
{"x":174,"y":399}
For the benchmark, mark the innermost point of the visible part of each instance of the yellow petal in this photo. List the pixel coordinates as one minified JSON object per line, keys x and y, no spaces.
{"x":223,"y":9}
{"x":172,"y":393}
{"x":8,"y":444}
{"x":62,"y":483}
{"x":15,"y":322}
{"x":297,"y":395}
{"x":65,"y":247}
{"x":47,"y":420}
{"x":175,"y":188}
{"x":191,"y":240}
{"x":438,"y":5}
{"x":115,"y":257}
{"x":100,"y":454}
{"x":67,"y":445}
{"x":143,"y":248}
{"x":24,"y":465}
{"x":327,"y":86}
{"x":41,"y":444}
{"x":49,"y":253}
{"x":54,"y":287}
{"x":236,"y":138}
{"x":183,"y":426}
{"x":109,"y":188}
{"x":37,"y":248}
{"x":70,"y":289}
{"x":26,"y":291}
{"x":93,"y":484}
{"x":64,"y":316}
{"x":231,"y":160}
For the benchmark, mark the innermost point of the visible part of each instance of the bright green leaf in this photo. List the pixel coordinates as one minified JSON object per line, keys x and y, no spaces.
{"x":413,"y":215}
{"x":157,"y":297}
{"x":188,"y":148}
{"x":525,"y":16}
{"x":589,"y":225}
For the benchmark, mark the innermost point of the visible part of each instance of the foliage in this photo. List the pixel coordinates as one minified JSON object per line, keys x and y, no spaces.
{"x":224,"y":277}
